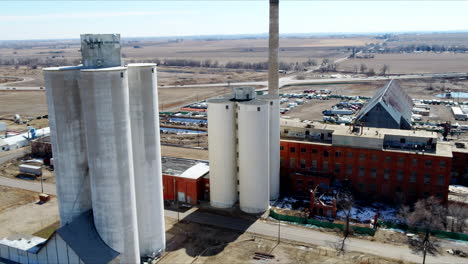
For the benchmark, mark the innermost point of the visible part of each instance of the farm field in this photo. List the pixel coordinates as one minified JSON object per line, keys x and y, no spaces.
{"x":411,"y":63}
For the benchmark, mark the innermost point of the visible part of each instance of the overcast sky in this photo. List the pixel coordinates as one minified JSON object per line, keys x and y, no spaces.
{"x":69,"y":19}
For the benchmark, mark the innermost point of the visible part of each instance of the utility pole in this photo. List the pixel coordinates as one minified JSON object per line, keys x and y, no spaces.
{"x":176,"y":198}
{"x":42,"y":185}
{"x":279,"y":231}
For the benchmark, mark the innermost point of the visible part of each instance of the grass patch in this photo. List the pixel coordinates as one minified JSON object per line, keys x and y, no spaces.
{"x":48,"y":230}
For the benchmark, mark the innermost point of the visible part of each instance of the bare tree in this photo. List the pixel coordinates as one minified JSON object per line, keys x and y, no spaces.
{"x":371,"y":72}
{"x":355,"y":68}
{"x":385,"y":68}
{"x":428,"y":215}
{"x":363,"y":68}
{"x":345,"y":202}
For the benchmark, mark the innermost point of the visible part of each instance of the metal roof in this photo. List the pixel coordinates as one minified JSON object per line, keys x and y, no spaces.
{"x":82,"y":237}
{"x":178,"y":166}
{"x":394,"y":100}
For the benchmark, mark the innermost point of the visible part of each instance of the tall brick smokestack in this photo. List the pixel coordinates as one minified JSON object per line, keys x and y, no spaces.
{"x":273,"y":49}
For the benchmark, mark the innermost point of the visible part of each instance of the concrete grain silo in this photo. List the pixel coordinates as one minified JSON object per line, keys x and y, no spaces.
{"x":106,"y":113}
{"x":222,"y":152}
{"x":274,"y":141}
{"x":144,"y":115}
{"x":68,"y":142}
{"x":254,"y":154}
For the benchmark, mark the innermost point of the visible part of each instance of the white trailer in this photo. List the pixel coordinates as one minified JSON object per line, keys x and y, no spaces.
{"x":458,"y":114}
{"x":30,"y":169}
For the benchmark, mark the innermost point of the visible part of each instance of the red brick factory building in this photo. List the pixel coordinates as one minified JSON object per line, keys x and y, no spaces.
{"x":378,"y":163}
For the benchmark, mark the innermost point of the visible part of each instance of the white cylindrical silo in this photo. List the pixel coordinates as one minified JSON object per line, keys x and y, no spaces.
{"x":254,"y":165}
{"x":274,"y":126}
{"x":144,"y":115}
{"x":105,"y":99}
{"x":68,"y":142}
{"x":222,"y":152}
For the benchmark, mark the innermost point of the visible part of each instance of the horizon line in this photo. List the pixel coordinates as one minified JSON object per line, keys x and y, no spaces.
{"x":259,"y":35}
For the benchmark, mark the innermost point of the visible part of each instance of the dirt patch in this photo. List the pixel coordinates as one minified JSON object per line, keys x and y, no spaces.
{"x":10,"y":169}
{"x":12,"y":197}
{"x":194,"y":243}
{"x":188,"y":153}
{"x":28,"y":218}
{"x":390,"y":236}
{"x":27,"y":103}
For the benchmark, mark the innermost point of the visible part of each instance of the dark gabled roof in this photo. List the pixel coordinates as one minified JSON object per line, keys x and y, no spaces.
{"x":394,"y":100}
{"x":82,"y":236}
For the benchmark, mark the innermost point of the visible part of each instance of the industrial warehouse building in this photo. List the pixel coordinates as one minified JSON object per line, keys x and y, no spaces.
{"x":390,"y":107}
{"x":377,"y":163}
{"x":186,"y":177}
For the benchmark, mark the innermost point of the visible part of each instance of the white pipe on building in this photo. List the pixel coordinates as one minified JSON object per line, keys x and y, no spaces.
{"x":144,"y":115}
{"x":68,"y":142}
{"x":222,"y":152}
{"x":106,"y":112}
{"x":254,"y":156}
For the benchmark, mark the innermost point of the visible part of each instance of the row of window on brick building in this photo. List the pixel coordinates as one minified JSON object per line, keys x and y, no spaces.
{"x":362,"y":156}
{"x":373,"y":172}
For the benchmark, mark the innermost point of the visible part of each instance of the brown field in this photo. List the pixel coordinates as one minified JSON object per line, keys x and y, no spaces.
{"x":27,"y":103}
{"x":412,"y":63}
{"x":247,"y":50}
{"x":12,"y":197}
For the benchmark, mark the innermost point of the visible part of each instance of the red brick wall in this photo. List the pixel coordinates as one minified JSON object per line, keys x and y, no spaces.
{"x":189,"y":187}
{"x":370,"y":183}
{"x":460,"y":167}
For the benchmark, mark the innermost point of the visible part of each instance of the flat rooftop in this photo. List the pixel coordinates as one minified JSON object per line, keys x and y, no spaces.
{"x":460,"y":146}
{"x":185,"y":168}
{"x":378,"y":138}
{"x":368,"y":132}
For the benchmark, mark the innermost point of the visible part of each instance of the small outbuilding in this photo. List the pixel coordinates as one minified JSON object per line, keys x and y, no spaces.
{"x":186,"y":178}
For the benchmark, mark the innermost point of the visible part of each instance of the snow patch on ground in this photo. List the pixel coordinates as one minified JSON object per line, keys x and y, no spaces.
{"x":291,"y":203}
{"x":459,"y":189}
{"x":361,"y":212}
{"x":365,"y":213}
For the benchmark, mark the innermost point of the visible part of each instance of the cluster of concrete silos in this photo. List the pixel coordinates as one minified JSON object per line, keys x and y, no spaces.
{"x":244,"y":139}
{"x":105,"y":137}
{"x":243,"y":162}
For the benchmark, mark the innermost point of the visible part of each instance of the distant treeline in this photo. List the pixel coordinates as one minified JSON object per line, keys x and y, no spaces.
{"x":297,"y":66}
{"x":383,"y":48}
{"x":60,"y":61}
{"x":39,"y":62}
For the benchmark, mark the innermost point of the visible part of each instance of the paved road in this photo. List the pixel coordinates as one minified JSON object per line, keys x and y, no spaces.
{"x":290,"y":232}
{"x":34,"y":186}
{"x":11,"y":85}
{"x":13,"y":154}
